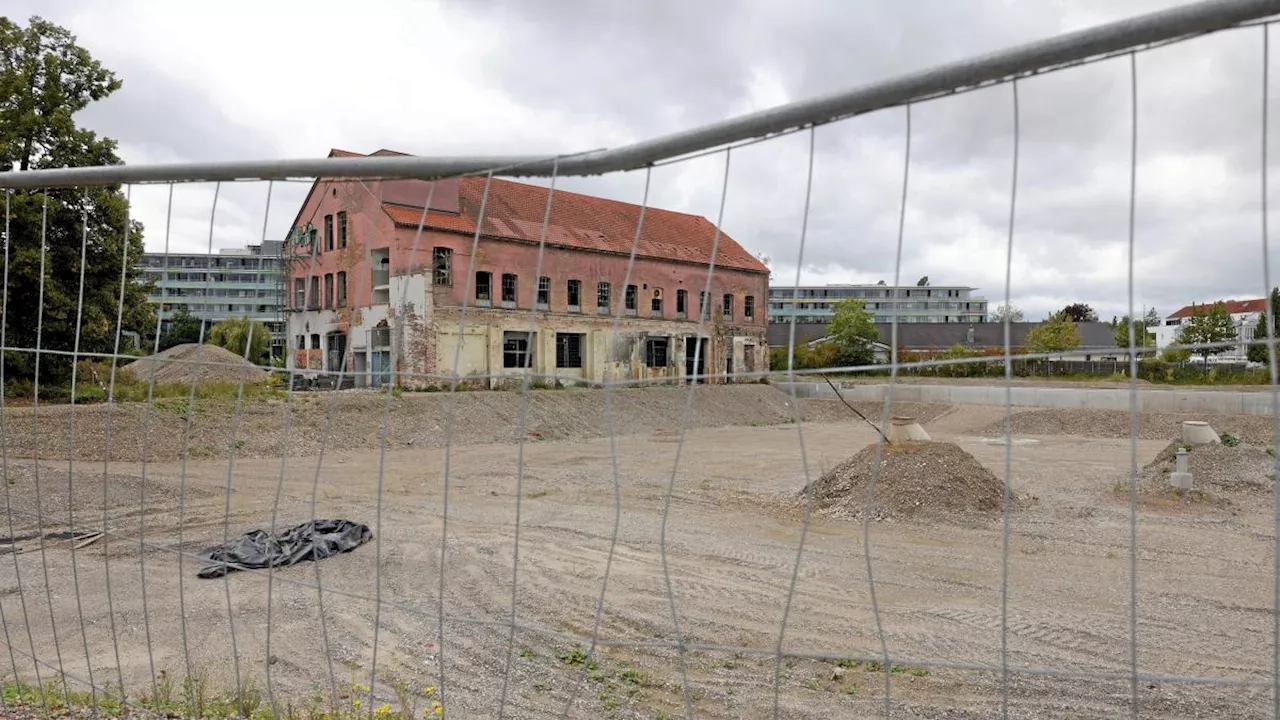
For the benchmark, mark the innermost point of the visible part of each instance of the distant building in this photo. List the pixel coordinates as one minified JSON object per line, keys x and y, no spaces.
{"x":1244,"y":315}
{"x":910,"y":303}
{"x":1097,"y":339}
{"x":216,"y":286}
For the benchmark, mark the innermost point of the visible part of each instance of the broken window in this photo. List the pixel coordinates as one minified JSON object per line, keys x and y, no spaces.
{"x":630,"y":299}
{"x":315,"y":292}
{"x":342,"y":229}
{"x":484,"y":280}
{"x":682,"y":303}
{"x":573,"y":294}
{"x":328,"y":233}
{"x":656,"y":303}
{"x":655,"y":351}
{"x":602,"y":298}
{"x":749,"y":307}
{"x":569,"y":350}
{"x":728,"y":306}
{"x":544,"y":292}
{"x":342,"y":289}
{"x":442,"y":266}
{"x":328,"y":290}
{"x":516,"y":351}
{"x":299,"y":293}
{"x":509,"y":288}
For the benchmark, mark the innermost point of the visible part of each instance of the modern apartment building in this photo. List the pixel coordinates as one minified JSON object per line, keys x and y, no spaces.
{"x":910,"y":303}
{"x":233,"y":282}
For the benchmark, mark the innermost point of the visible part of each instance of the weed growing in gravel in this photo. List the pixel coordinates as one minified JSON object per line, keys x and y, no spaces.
{"x":193,"y":698}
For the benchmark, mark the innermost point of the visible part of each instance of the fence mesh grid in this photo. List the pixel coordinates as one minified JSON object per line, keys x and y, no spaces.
{"x":636,"y":571}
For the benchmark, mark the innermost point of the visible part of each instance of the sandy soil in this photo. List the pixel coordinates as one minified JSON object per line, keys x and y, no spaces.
{"x":1205,"y":590}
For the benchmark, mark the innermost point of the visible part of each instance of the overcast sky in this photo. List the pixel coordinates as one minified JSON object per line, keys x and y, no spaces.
{"x":236,"y":80}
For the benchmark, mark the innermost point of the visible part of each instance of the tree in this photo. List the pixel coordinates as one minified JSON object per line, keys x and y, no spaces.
{"x":1055,"y":335}
{"x":852,"y":332}
{"x":1006,"y":311}
{"x":233,"y":333}
{"x":880,"y":283}
{"x":923,"y":282}
{"x":183,"y":328}
{"x":1205,"y":326}
{"x":1141,"y":337}
{"x":45,"y":79}
{"x":1258,"y":352}
{"x":1080,"y":312}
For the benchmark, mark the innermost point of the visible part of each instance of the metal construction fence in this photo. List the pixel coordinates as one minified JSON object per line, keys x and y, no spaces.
{"x":593,"y":552}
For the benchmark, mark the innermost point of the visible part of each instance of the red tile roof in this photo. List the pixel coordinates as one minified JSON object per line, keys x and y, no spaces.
{"x":515,"y":210}
{"x":1234,"y":307}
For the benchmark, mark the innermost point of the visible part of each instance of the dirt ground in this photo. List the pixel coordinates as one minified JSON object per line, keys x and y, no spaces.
{"x":717,"y":582}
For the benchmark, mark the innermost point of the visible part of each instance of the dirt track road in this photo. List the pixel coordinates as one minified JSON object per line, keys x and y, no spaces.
{"x":1204,"y":594}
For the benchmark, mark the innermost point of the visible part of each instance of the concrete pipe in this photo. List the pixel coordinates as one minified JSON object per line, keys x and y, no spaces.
{"x":906,"y":429}
{"x":1198,"y":432}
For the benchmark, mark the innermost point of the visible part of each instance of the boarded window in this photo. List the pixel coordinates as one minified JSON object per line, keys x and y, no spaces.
{"x":442,"y":266}
{"x":342,"y":289}
{"x":342,"y":229}
{"x":315,"y":292}
{"x":508,"y":288}
{"x":655,"y":351}
{"x":484,"y":282}
{"x":516,"y":352}
{"x":573,"y":295}
{"x":328,"y":290}
{"x":569,"y":350}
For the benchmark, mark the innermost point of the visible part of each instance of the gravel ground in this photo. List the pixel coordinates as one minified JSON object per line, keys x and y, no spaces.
{"x":1253,"y":429}
{"x":1222,"y":476}
{"x":702,"y":557}
{"x":352,"y":420}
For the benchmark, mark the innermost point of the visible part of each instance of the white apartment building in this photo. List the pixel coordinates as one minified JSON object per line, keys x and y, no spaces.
{"x":1244,"y":314}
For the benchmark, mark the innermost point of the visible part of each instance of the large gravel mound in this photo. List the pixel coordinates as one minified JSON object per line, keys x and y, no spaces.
{"x":915,"y":479}
{"x":179,"y":363}
{"x":1216,"y":470}
{"x":1118,"y":424}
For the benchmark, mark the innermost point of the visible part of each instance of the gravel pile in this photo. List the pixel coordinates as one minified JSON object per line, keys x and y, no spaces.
{"x":179,"y":363}
{"x":915,"y":479}
{"x":1215,"y":470}
{"x":1252,"y":429}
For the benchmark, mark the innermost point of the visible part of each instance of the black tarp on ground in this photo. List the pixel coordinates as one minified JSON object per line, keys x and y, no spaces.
{"x":312,"y":540}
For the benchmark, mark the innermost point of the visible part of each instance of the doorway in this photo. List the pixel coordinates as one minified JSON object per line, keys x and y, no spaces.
{"x":694,"y":346}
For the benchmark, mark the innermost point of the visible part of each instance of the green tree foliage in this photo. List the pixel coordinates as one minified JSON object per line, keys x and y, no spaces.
{"x":1208,"y":325}
{"x":923,"y":282}
{"x":852,"y":332}
{"x":1141,"y":338}
{"x":45,"y":79}
{"x":1055,"y":335}
{"x":183,"y":328}
{"x":1258,"y":353}
{"x":1080,"y":312}
{"x":233,"y":333}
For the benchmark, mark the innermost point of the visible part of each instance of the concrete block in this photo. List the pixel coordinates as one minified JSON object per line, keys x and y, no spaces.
{"x":1180,"y":480}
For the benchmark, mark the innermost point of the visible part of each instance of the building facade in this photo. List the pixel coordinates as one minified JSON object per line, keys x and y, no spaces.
{"x":376,"y":284}
{"x":1244,"y":315}
{"x":216,"y":286}
{"x":910,"y":303}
